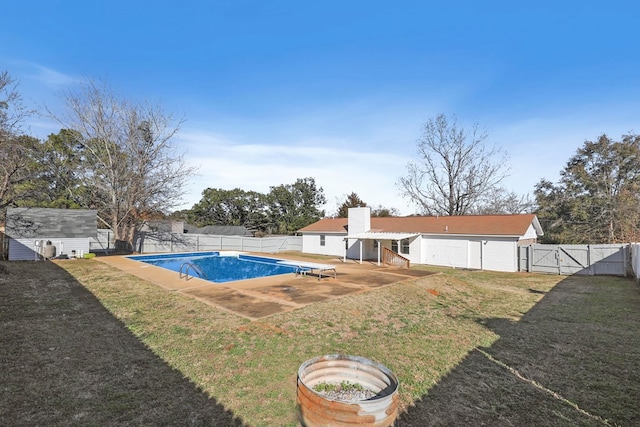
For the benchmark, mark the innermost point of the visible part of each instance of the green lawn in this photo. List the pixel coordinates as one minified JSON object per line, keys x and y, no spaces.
{"x":467,"y":347}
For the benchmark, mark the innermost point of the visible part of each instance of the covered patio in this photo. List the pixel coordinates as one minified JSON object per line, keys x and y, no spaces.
{"x":381,"y":243}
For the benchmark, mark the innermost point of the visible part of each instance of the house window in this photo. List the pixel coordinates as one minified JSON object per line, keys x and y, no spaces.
{"x":375,"y":245}
{"x":404,"y":246}
{"x":322,"y":240}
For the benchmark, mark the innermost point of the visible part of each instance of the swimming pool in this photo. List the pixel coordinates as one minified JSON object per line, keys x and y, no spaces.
{"x":220,"y":267}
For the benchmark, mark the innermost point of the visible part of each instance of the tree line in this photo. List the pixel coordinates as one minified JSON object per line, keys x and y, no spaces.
{"x":117,"y":156}
{"x":597,"y":198}
{"x":285,"y":209}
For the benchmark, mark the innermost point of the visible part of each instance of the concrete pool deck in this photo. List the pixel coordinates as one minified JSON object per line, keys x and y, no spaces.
{"x":257,"y":298}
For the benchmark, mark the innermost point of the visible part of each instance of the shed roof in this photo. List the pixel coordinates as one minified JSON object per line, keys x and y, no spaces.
{"x":47,"y":223}
{"x":474,"y":225}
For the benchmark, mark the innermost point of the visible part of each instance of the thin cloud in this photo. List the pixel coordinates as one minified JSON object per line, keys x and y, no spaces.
{"x":44,"y":75}
{"x":258,"y":167}
{"x":54,"y":78}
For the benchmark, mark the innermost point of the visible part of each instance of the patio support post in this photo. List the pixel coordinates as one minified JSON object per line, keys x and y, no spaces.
{"x":360,"y":241}
{"x":379,"y":243}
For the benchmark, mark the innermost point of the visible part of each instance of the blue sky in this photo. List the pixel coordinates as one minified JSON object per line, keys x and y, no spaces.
{"x":338,"y":90}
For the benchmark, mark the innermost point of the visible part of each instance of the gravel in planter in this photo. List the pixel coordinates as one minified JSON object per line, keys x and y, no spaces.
{"x":344,"y":391}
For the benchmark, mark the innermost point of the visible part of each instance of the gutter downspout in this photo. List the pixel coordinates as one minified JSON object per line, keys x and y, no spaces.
{"x":346,"y":243}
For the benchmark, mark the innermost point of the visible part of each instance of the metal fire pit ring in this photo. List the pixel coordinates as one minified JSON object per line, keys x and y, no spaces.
{"x":316,"y":409}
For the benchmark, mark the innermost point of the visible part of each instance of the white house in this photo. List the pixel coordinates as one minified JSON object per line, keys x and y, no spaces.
{"x":37,"y":233}
{"x":485,"y":242}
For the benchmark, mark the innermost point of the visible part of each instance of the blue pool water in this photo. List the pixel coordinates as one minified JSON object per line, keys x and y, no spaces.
{"x":219,"y":268}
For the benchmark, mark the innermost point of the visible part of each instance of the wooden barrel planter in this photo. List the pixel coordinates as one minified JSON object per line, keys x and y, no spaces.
{"x":317,"y":408}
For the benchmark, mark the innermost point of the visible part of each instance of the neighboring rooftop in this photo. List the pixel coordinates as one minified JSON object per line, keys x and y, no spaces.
{"x":219,"y":230}
{"x":171,"y":226}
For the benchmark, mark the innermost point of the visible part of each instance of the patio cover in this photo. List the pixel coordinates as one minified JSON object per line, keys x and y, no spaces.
{"x":372,"y":235}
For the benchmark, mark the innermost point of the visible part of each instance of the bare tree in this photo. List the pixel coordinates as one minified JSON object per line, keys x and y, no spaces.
{"x":129,"y":162}
{"x":17,"y":160}
{"x":455,"y":171}
{"x":501,"y":201}
{"x":12,"y":110}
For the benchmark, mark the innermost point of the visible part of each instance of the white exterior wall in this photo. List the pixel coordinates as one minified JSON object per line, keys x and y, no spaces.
{"x":496,"y":254}
{"x":22,"y":250}
{"x":334,"y":244}
{"x":26,"y":250}
{"x":493,"y":253}
{"x":353,"y":249}
{"x":415,"y":250}
{"x":530,"y":234}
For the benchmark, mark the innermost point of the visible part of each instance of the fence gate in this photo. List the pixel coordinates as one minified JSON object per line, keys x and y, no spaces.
{"x":574,"y":259}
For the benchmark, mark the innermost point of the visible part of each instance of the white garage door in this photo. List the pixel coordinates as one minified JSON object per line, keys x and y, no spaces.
{"x":446,"y":252}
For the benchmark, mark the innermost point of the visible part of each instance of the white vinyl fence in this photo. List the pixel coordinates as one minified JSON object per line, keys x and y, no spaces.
{"x":103,"y":242}
{"x":176,"y":242}
{"x":635,"y":259}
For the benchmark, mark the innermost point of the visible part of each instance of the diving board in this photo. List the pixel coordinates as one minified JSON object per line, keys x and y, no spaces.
{"x":303,"y":268}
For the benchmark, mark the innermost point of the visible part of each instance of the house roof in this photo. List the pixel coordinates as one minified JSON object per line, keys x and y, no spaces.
{"x":327,"y":225}
{"x":47,"y":223}
{"x":382,"y":236}
{"x":481,"y":225}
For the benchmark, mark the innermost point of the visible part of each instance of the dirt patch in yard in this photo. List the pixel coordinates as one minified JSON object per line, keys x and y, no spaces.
{"x":237,"y":302}
{"x":303,"y":292}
